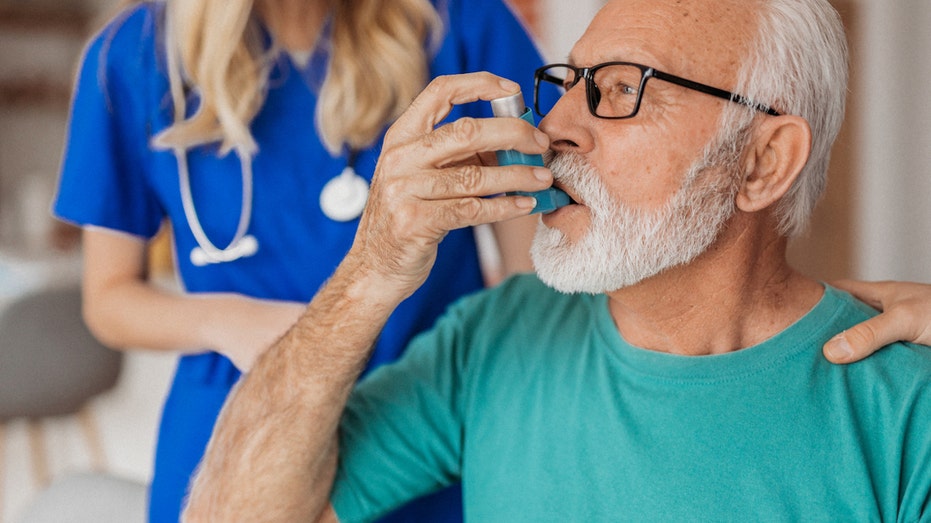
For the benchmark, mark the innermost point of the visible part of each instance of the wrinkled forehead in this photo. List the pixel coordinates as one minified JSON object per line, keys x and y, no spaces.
{"x":699,"y":39}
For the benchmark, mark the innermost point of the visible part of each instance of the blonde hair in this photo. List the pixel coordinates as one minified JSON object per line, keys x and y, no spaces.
{"x":378,"y":63}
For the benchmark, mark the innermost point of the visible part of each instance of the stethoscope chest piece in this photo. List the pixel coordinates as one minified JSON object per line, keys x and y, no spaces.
{"x":343,"y":198}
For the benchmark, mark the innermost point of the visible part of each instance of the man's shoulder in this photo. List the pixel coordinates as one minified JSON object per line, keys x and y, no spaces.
{"x":523,"y":290}
{"x":522,"y":305}
{"x":898,"y":366}
{"x":523,"y":283}
{"x":853,"y":311}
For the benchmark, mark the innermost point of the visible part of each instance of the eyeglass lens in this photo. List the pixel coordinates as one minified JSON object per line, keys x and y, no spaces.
{"x":613,"y":93}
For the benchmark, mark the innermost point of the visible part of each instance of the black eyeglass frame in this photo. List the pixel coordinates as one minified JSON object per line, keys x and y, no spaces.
{"x":647,"y":72}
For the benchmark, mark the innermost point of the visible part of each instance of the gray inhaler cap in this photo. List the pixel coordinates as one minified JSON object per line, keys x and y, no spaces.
{"x":512,"y":106}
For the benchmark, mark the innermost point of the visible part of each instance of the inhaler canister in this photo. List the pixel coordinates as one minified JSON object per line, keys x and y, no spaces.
{"x":548,"y":200}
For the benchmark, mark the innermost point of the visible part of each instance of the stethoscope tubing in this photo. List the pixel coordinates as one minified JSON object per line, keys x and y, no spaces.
{"x":241,"y":245}
{"x":342,"y":199}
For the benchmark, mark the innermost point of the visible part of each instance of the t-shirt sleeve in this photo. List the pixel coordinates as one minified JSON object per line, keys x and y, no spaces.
{"x":401,"y":433}
{"x":102,"y":180}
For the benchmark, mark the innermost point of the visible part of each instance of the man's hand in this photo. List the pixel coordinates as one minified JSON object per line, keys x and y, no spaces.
{"x":431,"y":180}
{"x":906,"y":315}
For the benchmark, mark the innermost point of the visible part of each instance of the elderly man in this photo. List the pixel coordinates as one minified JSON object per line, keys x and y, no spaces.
{"x":675,"y":373}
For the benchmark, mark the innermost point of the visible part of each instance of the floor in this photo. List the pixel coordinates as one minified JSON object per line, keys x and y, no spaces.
{"x":126,"y":419}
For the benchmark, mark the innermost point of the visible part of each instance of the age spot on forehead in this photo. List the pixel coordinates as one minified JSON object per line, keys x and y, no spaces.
{"x":685,"y":13}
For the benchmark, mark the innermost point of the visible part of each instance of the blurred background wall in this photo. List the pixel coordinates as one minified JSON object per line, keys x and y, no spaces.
{"x":40,"y":41}
{"x":892,"y":215}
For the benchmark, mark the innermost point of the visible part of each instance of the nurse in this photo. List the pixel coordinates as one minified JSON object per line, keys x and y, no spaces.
{"x":251,"y":129}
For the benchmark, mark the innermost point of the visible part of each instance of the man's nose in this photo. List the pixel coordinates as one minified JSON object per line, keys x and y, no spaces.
{"x":566,"y":121}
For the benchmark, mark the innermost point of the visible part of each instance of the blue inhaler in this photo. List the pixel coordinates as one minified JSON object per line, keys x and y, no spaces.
{"x":548,"y":200}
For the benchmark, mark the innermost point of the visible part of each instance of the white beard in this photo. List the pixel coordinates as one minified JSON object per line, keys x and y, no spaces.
{"x":625,"y":245}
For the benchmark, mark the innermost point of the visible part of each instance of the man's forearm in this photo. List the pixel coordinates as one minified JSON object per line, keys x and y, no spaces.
{"x":273,"y":455}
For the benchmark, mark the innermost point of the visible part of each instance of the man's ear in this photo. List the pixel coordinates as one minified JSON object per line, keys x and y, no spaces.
{"x":776,"y":155}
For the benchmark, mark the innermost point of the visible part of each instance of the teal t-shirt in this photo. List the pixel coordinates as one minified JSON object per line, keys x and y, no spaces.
{"x":533,"y":399}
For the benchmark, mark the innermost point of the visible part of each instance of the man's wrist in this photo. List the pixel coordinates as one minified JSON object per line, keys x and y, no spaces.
{"x":363,"y":284}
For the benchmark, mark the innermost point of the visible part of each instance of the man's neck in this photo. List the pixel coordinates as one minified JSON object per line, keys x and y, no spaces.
{"x":736,"y":295}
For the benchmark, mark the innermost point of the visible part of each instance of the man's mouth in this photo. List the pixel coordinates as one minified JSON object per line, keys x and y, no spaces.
{"x":569,"y":192}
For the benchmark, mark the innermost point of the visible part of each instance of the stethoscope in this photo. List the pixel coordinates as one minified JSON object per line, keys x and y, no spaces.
{"x":342,"y":199}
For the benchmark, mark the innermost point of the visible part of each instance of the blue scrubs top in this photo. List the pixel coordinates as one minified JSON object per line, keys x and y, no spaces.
{"x":112,"y":178}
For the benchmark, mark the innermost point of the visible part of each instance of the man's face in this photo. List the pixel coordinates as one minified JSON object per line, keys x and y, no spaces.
{"x":638,"y":179}
{"x":625,"y":245}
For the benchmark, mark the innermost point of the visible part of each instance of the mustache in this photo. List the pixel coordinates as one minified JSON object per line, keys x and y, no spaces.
{"x":566,"y":166}
{"x":574,"y":174}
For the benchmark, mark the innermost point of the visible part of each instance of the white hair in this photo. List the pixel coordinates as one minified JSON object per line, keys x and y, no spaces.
{"x":798,"y":64}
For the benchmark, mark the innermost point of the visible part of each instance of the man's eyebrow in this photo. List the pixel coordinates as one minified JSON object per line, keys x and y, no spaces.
{"x":574,"y":63}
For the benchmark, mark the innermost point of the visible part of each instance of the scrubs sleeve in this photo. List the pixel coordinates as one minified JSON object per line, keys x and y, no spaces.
{"x":401,"y":432}
{"x":103,"y":176}
{"x":493,"y":39}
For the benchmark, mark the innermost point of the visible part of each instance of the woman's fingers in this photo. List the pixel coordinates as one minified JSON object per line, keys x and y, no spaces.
{"x":905,"y":316}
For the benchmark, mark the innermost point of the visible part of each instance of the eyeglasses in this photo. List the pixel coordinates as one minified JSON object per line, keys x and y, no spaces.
{"x":614,"y":90}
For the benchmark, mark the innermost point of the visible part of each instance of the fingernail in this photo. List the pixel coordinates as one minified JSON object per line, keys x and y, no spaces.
{"x":542,"y":174}
{"x":541,"y":138}
{"x":839,"y":348}
{"x":526,"y":202}
{"x":509,"y":85}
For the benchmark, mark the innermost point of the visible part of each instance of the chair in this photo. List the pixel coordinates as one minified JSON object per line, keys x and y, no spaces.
{"x":89,"y":497}
{"x":51,"y":365}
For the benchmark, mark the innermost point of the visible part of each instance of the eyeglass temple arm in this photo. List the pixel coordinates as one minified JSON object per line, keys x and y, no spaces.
{"x":714,"y":91}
